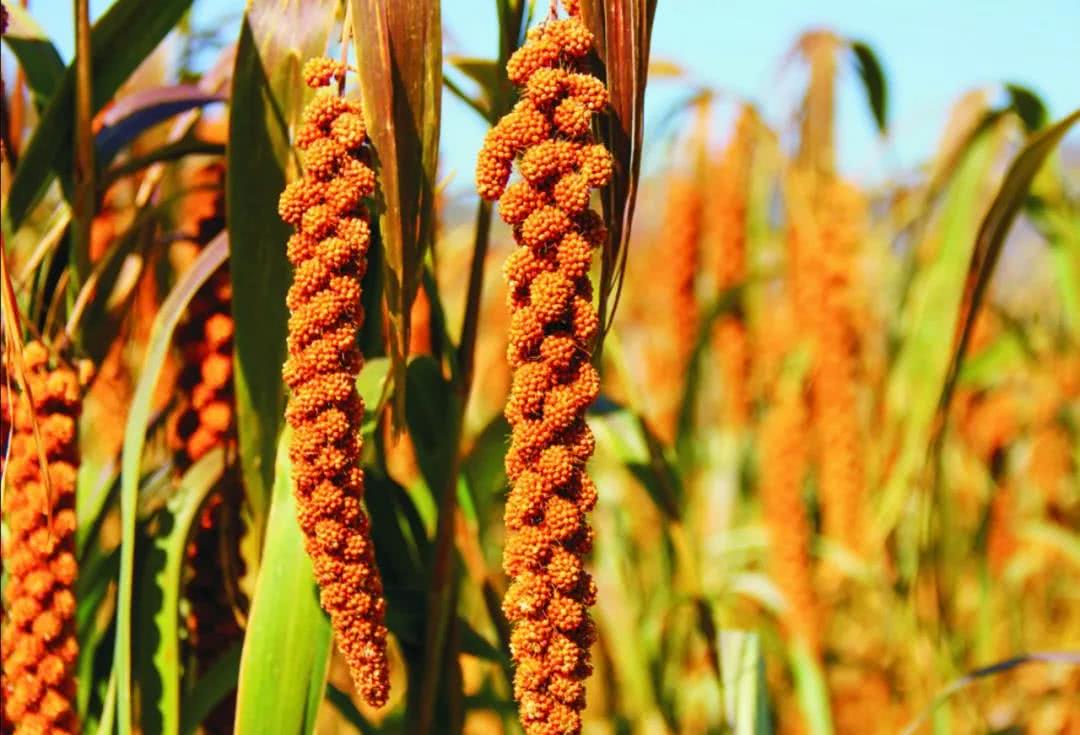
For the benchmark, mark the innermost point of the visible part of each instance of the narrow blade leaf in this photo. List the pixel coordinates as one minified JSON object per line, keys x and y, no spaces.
{"x":399,"y":52}
{"x":989,"y":242}
{"x":287,"y":646}
{"x":267,"y":97}
{"x":115,"y":54}
{"x":623,"y":30}
{"x":158,"y":346}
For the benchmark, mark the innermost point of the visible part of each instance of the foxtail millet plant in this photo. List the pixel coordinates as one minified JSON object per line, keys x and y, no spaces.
{"x":727,"y":224}
{"x":329,"y":255}
{"x":834,"y":390}
{"x":783,"y":468}
{"x":677,"y":276}
{"x":38,"y":641}
{"x":552,"y":332}
{"x":821,"y":238}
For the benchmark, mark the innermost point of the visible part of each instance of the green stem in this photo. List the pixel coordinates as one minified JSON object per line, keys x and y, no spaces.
{"x":471,"y":320}
{"x":440,"y":607}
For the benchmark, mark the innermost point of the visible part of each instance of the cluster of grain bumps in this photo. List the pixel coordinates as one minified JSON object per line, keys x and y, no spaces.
{"x":38,"y":641}
{"x":553,"y":328}
{"x":329,"y":255}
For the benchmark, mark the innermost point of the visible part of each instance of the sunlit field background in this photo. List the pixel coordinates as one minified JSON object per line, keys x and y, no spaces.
{"x":838,"y":434}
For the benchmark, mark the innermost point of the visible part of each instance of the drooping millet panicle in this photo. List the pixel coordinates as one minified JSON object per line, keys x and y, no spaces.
{"x":783,"y":469}
{"x":552,"y":331}
{"x":39,"y":647}
{"x":329,"y":255}
{"x":677,"y":276}
{"x":727,"y":222}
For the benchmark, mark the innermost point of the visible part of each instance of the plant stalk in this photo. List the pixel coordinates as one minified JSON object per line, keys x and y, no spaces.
{"x":83,"y":214}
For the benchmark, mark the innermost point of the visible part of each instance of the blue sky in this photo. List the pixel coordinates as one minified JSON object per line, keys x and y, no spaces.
{"x":932,"y":52}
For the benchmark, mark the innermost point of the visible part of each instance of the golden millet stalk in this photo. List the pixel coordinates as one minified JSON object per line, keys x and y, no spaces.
{"x":329,"y":254}
{"x":552,"y":331}
{"x":38,"y":643}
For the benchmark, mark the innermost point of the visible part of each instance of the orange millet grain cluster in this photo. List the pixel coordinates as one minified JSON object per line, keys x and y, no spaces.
{"x":329,"y":256}
{"x":677,"y":277}
{"x":836,"y":366}
{"x":731,"y":339}
{"x":6,"y":726}
{"x":552,"y":331}
{"x":783,"y":468}
{"x":205,"y":342}
{"x":38,"y":643}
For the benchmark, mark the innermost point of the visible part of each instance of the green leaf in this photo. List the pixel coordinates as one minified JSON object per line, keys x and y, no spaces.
{"x":811,"y":689}
{"x":477,"y":645}
{"x":210,"y":690}
{"x":641,"y":452}
{"x":487,"y":75}
{"x":431,"y":412}
{"x":116,"y":51}
{"x":38,"y":57}
{"x":258,"y":156}
{"x":873,"y":78}
{"x":257,"y":149}
{"x":287,"y":646}
{"x":158,"y":346}
{"x":991,"y":239}
{"x":371,"y":384}
{"x":399,"y":53}
{"x":1028,"y":106}
{"x":484,"y":468}
{"x":727,"y":303}
{"x":931,"y":317}
{"x":623,"y":30}
{"x":745,"y":693}
{"x":159,"y":652}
